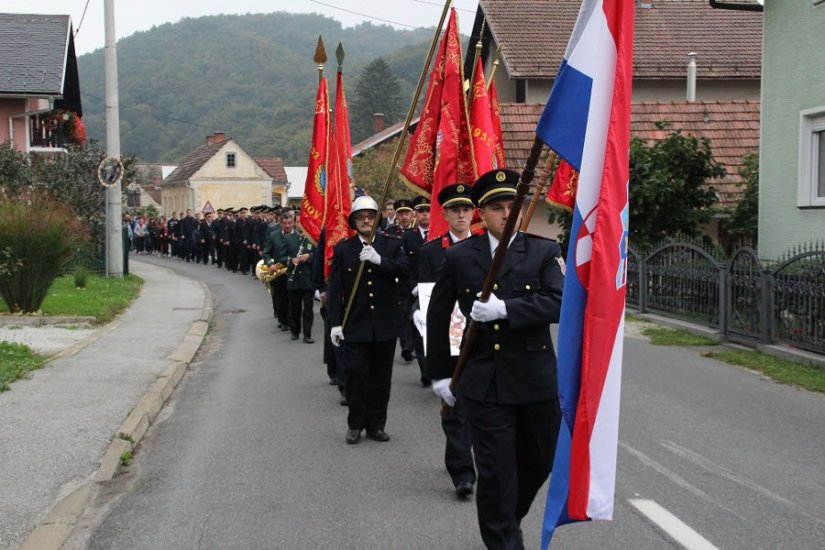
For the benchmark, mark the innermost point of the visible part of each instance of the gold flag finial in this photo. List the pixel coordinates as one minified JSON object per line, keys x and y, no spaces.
{"x":320,"y":57}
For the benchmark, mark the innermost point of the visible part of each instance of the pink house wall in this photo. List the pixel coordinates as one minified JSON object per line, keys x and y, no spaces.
{"x":11,"y":117}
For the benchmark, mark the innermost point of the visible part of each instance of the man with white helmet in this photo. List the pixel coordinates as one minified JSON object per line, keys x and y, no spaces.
{"x":373,"y":324}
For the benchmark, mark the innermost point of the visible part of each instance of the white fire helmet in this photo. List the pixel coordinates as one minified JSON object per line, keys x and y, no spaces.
{"x":361,"y":203}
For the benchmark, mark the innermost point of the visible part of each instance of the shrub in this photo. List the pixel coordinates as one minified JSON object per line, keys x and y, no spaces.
{"x":80,"y":277}
{"x":40,"y":236}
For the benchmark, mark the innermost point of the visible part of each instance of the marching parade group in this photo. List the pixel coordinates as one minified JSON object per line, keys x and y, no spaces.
{"x":500,"y":437}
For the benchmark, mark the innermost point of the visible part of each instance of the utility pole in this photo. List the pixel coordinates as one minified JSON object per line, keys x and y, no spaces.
{"x":114,"y":240}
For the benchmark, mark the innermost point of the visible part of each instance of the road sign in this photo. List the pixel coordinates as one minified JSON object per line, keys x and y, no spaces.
{"x":207,"y":208}
{"x":109,"y":171}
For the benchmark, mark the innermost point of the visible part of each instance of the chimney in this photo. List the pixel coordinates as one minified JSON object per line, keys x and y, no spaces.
{"x":691,"y":77}
{"x":215,"y":138}
{"x":377,"y":123}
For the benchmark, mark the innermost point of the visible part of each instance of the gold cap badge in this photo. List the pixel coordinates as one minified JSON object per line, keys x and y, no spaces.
{"x":460,"y":189}
{"x":501,"y":176}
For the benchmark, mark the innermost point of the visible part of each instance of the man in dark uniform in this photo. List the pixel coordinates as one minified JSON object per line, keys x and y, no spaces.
{"x":509,"y":384}
{"x":171,"y":234}
{"x":207,"y":236}
{"x":300,"y":251}
{"x":413,"y":240}
{"x":187,"y":226}
{"x":218,"y":232}
{"x":404,"y":216}
{"x":457,"y":209}
{"x":373,"y":323}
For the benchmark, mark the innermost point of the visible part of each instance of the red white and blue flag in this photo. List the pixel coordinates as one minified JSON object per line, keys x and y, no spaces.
{"x":587,"y":122}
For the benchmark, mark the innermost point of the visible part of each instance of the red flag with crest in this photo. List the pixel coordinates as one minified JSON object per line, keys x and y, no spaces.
{"x":440,"y":153}
{"x":481,"y":123}
{"x":495,"y":115}
{"x":312,"y":205}
{"x":339,"y":202}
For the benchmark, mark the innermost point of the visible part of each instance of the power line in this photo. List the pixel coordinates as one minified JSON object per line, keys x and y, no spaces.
{"x":441,"y":5}
{"x":82,"y":17}
{"x":363,"y":14}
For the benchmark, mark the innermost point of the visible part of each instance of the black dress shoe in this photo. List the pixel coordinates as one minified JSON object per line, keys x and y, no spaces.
{"x":285,"y":328}
{"x":343,"y":402}
{"x":378,"y":435}
{"x":407,"y":355}
{"x":295,"y":336}
{"x":308,"y":340}
{"x":464,"y":489}
{"x":353,"y":436}
{"x":425,"y":381}
{"x":333,"y":381}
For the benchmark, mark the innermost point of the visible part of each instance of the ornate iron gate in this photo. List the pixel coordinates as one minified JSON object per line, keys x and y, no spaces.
{"x":798,"y":300}
{"x":747,"y":285}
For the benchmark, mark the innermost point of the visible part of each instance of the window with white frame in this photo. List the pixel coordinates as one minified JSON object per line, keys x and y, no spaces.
{"x":811,"y":189}
{"x":230,"y":160}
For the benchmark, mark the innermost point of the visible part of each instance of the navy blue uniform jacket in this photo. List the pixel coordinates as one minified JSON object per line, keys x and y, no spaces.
{"x":513,"y":360}
{"x":376,"y":313}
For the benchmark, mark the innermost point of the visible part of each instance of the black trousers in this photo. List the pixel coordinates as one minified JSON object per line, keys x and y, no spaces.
{"x":458,"y":457}
{"x":418,"y":346}
{"x":243,"y":260}
{"x":514,"y":446}
{"x":280,"y":300}
{"x":300,"y":311}
{"x":407,"y":328}
{"x":219,"y":252}
{"x":369,"y":377}
{"x":232,"y":257}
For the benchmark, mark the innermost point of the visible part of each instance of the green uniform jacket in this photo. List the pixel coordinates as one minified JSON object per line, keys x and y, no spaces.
{"x":299,"y":278}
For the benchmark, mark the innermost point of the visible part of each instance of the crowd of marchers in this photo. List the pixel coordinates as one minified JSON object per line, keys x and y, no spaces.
{"x":505,"y":415}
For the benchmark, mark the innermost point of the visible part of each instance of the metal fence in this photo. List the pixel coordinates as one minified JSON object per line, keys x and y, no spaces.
{"x":746,"y":298}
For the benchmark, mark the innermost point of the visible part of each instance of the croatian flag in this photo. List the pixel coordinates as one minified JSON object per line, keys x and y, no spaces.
{"x":587,"y":122}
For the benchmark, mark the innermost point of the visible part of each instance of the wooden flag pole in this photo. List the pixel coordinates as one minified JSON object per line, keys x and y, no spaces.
{"x":470,"y":336}
{"x":397,"y":155}
{"x":495,"y":67}
{"x":541,"y":183}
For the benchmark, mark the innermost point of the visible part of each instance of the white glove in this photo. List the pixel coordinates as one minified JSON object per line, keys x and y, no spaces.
{"x":442,"y":389}
{"x":317,"y":295}
{"x":420,"y":321}
{"x":490,"y":310}
{"x":414,"y":291}
{"x":336,"y":334}
{"x":369,"y":254}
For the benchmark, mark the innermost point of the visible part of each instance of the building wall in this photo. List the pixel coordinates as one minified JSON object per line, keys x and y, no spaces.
{"x":11,"y":111}
{"x":793,"y":80}
{"x":175,"y":199}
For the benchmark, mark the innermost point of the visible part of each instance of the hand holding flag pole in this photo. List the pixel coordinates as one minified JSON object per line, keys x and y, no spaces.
{"x":397,"y":155}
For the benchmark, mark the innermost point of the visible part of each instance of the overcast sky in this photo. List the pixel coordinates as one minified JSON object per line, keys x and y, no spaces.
{"x":133,"y":16}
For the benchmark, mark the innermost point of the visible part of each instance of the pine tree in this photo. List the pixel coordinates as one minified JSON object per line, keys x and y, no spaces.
{"x":377,"y":91}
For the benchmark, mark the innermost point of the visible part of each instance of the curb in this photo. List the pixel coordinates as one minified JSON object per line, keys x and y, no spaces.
{"x":60,"y":522}
{"x":41,"y":320}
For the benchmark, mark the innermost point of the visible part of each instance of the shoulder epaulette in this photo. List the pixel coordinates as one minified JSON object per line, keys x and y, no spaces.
{"x":542,"y":237}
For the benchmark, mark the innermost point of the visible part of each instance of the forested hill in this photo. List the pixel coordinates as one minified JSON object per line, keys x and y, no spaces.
{"x":251,"y":76}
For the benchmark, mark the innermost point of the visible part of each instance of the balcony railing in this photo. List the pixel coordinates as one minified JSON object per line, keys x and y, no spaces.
{"x":47,"y":131}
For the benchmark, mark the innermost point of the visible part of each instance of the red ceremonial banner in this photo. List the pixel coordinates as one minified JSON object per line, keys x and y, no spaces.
{"x":312,"y":205}
{"x":339,"y":202}
{"x":440,"y":153}
{"x":481,"y":123}
{"x":496,"y":118}
{"x":562,"y":192}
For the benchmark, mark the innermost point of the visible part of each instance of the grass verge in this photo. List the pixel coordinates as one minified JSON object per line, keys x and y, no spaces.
{"x":103,"y":297}
{"x":15,"y":361}
{"x":660,"y":336}
{"x":809,"y":377}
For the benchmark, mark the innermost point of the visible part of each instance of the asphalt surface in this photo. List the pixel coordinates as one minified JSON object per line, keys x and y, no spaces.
{"x":251,"y":454}
{"x":56,"y":425}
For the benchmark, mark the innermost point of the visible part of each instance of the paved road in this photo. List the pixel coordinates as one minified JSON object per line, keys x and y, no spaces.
{"x":251,"y":454}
